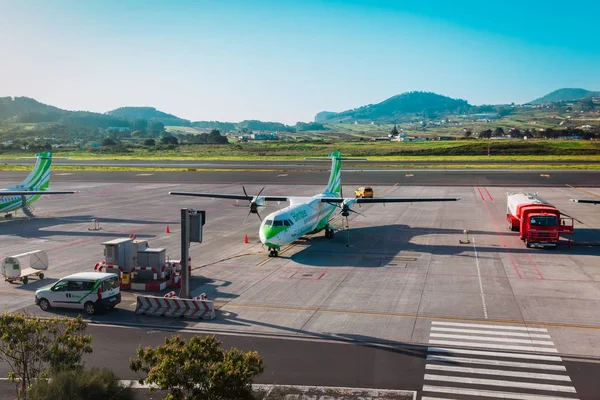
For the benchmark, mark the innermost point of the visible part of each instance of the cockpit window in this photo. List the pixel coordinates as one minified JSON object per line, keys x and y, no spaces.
{"x":269,"y":222}
{"x":277,"y":223}
{"x":286,"y":223}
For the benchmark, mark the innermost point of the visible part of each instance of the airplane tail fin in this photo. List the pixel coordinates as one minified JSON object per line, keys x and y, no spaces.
{"x":335,"y":178}
{"x":39,"y":177}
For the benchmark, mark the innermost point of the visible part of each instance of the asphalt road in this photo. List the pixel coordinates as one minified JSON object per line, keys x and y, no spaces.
{"x":304,"y":165}
{"x":398,"y":366}
{"x":430,"y":177}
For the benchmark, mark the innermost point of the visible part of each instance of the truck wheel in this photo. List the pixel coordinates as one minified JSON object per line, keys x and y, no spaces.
{"x":44,"y":304}
{"x":527,"y":244}
{"x":25,"y":280}
{"x":41,"y":276}
{"x":90,"y":308}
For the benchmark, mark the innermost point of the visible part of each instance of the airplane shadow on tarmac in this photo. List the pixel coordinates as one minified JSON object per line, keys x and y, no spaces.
{"x":380,"y":246}
{"x":38,"y":227}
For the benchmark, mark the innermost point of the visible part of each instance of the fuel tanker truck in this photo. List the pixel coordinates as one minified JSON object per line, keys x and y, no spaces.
{"x":537,"y":221}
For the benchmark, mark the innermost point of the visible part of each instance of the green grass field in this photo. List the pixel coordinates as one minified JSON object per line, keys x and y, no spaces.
{"x":463,"y":150}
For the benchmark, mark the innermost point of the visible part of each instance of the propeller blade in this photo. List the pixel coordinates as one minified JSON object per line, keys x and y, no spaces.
{"x":259,"y":217}
{"x":356,"y":212}
{"x":244,"y":189}
{"x":245,"y":219}
{"x":260,"y":192}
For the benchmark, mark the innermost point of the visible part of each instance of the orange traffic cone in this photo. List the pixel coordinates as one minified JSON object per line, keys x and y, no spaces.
{"x":168,"y":230}
{"x":246,"y":239}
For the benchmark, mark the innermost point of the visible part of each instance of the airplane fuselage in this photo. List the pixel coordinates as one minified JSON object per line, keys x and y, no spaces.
{"x":12,"y":203}
{"x":298,"y":219}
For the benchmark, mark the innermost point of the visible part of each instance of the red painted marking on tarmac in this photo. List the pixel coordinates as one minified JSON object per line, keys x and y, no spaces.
{"x":480,"y":194}
{"x":320,"y":276}
{"x":488,"y":193}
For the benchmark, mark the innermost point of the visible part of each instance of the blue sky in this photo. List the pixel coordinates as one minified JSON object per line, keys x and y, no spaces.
{"x":286,"y":60}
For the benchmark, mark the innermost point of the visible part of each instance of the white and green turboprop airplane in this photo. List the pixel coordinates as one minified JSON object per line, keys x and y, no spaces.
{"x":305,"y":215}
{"x":31,"y":189}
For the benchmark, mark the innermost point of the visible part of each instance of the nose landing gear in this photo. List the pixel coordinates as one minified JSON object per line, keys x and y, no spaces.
{"x":273,"y":252}
{"x":329,"y":233}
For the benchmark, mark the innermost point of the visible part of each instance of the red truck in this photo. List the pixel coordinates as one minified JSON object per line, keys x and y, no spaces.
{"x":537,"y":221}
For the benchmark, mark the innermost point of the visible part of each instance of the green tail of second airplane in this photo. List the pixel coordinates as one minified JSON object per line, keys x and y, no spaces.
{"x":39,"y":177}
{"x":335,"y":178}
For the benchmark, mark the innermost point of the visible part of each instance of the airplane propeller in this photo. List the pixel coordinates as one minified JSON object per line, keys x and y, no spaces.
{"x":253,"y":205}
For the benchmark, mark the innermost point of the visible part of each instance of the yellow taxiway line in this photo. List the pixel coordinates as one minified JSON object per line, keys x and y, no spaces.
{"x":583,"y":190}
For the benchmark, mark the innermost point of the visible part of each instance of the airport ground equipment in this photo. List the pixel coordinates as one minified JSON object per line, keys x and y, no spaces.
{"x":139,"y":266}
{"x":175,"y":307}
{"x":537,"y":221}
{"x":12,"y":266}
{"x":191,"y":231}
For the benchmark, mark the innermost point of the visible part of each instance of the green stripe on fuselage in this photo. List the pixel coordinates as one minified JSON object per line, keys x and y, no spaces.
{"x":272,"y":231}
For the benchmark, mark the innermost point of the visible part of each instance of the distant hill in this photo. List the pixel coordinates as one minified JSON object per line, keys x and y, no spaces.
{"x":399,"y":107}
{"x":221,"y":126}
{"x":148,"y":113}
{"x":25,"y":109}
{"x":255,"y":125}
{"x":566,"y":94}
{"x":324,"y":116}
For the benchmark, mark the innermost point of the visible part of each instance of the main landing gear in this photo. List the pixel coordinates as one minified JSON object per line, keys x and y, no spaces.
{"x":273,"y":252}
{"x":329,"y":233}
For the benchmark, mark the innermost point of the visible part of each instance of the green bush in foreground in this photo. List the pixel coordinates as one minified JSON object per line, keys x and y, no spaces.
{"x":87,"y":384}
{"x":198,"y":369}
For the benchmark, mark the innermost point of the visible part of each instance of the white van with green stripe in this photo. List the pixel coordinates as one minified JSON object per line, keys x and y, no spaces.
{"x":90,"y":291}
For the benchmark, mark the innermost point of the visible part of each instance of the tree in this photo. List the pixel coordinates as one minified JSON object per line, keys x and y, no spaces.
{"x":149,"y":142}
{"x":109,"y":142}
{"x":85,"y":384}
{"x":467,"y":133}
{"x":498,"y":132}
{"x":32,"y":346}
{"x":168,"y":139}
{"x":215,"y":137}
{"x":515,"y":133}
{"x":139,"y":125}
{"x":156,"y":128}
{"x":137,"y":134}
{"x":485,"y":134}
{"x":198,"y":369}
{"x":395,"y":131}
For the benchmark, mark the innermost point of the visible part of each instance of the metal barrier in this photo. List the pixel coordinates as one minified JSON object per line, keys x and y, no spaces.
{"x":175,"y":307}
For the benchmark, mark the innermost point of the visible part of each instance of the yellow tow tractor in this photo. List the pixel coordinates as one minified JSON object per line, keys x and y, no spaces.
{"x":364,"y":191}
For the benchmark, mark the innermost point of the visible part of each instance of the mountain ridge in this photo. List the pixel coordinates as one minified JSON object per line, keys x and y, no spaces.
{"x":565,"y":94}
{"x":398,"y":107}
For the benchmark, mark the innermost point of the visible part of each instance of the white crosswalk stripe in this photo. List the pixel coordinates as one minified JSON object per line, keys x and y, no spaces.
{"x":486,"y":332}
{"x":493,"y":361}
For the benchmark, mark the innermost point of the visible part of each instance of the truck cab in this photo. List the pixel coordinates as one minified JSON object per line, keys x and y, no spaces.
{"x":543,"y":228}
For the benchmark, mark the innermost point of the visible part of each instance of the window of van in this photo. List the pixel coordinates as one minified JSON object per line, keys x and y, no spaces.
{"x":60,"y":286}
{"x":110,"y":284}
{"x":75,"y":286}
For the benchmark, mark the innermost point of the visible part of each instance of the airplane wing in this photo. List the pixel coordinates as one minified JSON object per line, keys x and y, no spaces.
{"x":585,"y":201}
{"x":375,"y":200}
{"x":230,"y":196}
{"x":32,"y":192}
